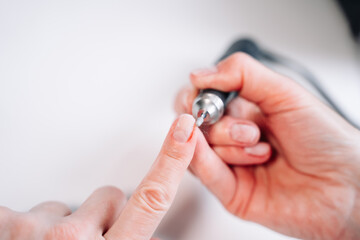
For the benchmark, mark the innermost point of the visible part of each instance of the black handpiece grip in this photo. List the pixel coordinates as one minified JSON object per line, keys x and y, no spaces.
{"x":243,"y":45}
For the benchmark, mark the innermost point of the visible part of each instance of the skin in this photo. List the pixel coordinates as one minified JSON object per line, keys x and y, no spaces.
{"x":106,"y":214}
{"x":304,"y":179}
{"x":280,"y":158}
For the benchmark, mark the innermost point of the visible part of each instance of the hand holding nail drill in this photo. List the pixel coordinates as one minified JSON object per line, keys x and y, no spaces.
{"x":279,"y":157}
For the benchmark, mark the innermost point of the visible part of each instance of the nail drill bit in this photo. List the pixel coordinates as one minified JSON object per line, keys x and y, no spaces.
{"x":209,"y":106}
{"x":200,"y":120}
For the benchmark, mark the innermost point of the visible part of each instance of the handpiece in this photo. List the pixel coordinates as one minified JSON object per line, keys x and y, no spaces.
{"x":209,"y":106}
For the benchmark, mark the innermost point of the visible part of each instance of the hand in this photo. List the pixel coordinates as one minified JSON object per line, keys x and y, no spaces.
{"x":105,"y":214}
{"x":302,"y":179}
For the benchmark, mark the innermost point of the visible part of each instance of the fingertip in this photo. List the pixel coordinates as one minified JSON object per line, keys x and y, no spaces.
{"x":226,"y":76}
{"x":181,"y":140}
{"x":244,"y":133}
{"x":184,"y":128}
{"x":257,"y":154}
{"x":203,"y":78}
{"x":260,"y":149}
{"x":234,"y":131}
{"x":219,"y":81}
{"x":203,"y":72}
{"x":112,"y":192}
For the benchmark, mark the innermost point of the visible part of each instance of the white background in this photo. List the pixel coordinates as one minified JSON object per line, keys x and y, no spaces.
{"x":87,"y":88}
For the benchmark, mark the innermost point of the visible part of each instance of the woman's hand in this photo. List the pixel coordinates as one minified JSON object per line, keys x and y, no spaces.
{"x":105,"y":214}
{"x":301,"y":176}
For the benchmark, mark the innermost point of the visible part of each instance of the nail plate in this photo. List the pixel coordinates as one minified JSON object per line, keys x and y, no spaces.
{"x":204,"y":71}
{"x":260,"y":149}
{"x":184,"y":128}
{"x":243,"y":133}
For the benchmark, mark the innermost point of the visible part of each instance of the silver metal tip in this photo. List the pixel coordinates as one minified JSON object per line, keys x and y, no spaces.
{"x":200,"y":120}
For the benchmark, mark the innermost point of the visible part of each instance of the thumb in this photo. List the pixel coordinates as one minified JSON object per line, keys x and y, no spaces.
{"x":271,"y":91}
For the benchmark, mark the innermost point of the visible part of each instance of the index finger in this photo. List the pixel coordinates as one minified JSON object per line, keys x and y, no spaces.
{"x":154,"y":195}
{"x":269,"y":90}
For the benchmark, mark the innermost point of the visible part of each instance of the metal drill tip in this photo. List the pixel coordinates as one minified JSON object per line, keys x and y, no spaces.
{"x":200,"y":120}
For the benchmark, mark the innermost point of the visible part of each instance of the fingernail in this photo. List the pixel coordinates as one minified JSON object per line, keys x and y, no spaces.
{"x":243,"y":133}
{"x":260,"y":149}
{"x":184,"y":128}
{"x":204,"y":71}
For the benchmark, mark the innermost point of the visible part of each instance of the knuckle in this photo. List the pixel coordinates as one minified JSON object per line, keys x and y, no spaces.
{"x":63,"y":230}
{"x":113,"y":197}
{"x":112,"y":191}
{"x":240,"y":57}
{"x":232,"y":207}
{"x":152,"y":199}
{"x":238,"y":207}
{"x":175,"y":154}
